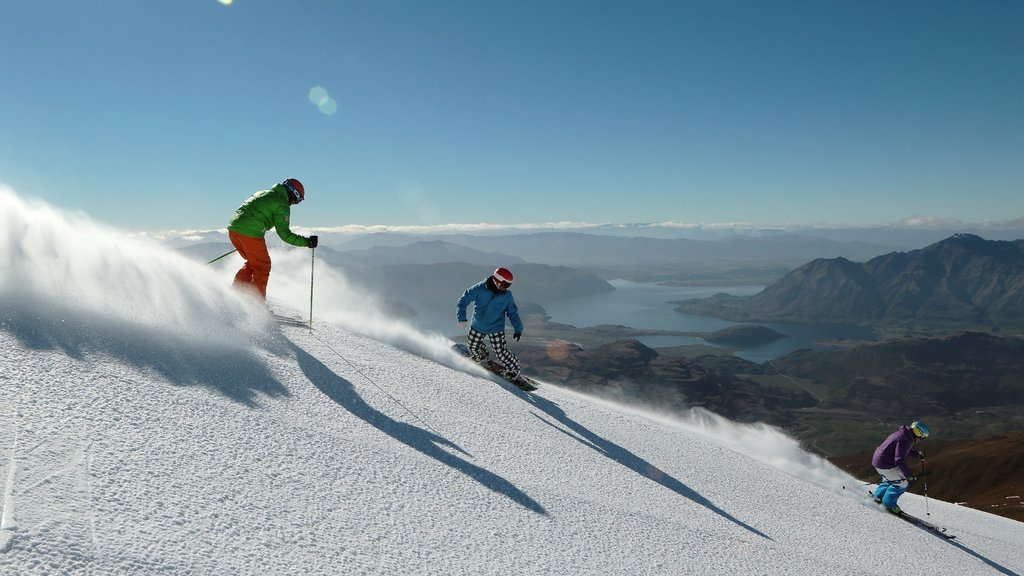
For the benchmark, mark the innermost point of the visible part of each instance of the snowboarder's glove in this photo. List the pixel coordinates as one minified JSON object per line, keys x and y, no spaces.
{"x":911,"y":480}
{"x":312,"y":242}
{"x":921,"y":454}
{"x":516,"y":336}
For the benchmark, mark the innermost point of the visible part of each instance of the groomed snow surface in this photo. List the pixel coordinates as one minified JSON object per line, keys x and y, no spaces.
{"x":153,"y":421}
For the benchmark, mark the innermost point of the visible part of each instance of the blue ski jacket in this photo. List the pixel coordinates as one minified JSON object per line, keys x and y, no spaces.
{"x":893,"y":451}
{"x":490,"y":309}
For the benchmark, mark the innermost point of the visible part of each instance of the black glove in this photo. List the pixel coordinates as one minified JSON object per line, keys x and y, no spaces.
{"x":312,"y":242}
{"x":517,"y":336}
{"x":921,"y":454}
{"x":911,"y":480}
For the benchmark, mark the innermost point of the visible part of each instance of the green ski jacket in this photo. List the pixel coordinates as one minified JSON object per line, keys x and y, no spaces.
{"x":265,"y":210}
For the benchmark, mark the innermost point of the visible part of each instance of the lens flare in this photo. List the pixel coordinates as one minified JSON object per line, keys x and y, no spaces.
{"x":318,"y":95}
{"x":558,"y":350}
{"x":328,"y":106}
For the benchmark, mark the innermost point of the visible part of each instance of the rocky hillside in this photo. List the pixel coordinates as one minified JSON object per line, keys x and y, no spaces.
{"x":963,"y":372}
{"x":964,"y":281}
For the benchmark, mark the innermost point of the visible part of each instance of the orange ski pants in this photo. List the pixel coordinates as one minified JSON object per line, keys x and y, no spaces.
{"x":255,"y":273}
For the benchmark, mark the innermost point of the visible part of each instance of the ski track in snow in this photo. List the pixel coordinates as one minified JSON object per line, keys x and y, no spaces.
{"x":203,"y":438}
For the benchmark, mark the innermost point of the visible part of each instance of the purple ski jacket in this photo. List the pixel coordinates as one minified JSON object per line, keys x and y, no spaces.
{"x":892,"y":453}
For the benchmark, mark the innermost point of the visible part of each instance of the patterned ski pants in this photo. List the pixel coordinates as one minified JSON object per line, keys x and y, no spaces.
{"x":500,"y":346}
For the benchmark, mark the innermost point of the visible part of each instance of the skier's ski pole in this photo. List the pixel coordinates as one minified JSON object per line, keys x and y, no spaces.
{"x":312,"y":263}
{"x":222,"y":256}
{"x":925,"y":478}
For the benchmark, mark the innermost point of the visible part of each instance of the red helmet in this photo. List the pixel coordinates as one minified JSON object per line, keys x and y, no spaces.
{"x":502,"y":278}
{"x":295,"y":189}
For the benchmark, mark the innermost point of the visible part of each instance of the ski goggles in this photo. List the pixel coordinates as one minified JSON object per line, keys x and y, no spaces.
{"x":501,"y":284}
{"x":292,"y":192}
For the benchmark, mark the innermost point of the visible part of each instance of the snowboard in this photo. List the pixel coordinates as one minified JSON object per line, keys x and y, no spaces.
{"x":524,"y":383}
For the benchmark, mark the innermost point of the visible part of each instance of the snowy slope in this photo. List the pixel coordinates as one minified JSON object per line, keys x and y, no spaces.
{"x":154,"y":422}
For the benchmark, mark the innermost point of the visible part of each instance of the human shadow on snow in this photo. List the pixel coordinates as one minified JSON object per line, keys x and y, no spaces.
{"x":342,"y":392}
{"x":995,"y":565}
{"x":228,"y":368}
{"x":623,"y":456}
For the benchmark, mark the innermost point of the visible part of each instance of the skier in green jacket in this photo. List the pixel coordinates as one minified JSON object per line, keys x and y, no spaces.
{"x":262,"y":211}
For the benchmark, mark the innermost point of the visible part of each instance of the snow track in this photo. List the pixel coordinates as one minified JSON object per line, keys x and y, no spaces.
{"x":7,"y":523}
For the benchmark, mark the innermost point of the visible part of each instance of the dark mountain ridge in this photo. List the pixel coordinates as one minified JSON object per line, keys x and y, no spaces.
{"x":943,"y":376}
{"x":961,"y":282}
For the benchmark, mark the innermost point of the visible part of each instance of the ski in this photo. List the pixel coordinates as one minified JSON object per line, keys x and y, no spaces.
{"x":934,"y":528}
{"x":524,"y":383}
{"x":289,"y":321}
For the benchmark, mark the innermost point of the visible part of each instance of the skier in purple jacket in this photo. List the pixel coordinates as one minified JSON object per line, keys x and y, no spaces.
{"x":890,"y":459}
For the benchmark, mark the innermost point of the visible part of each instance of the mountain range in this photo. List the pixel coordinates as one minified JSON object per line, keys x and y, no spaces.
{"x":961,"y":282}
{"x":644,"y":256}
{"x":735,"y":259}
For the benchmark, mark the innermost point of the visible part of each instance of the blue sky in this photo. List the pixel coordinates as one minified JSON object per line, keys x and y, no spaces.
{"x":159,"y":115}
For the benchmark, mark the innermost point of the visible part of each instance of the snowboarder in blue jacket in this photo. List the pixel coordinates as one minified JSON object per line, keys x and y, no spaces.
{"x":890,"y":459}
{"x":492,"y":302}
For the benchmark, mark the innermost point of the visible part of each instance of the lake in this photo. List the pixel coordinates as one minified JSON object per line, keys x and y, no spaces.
{"x":650,"y":306}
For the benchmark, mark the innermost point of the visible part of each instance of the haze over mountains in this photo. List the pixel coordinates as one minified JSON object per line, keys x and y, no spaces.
{"x":599,"y":251}
{"x":419,"y":274}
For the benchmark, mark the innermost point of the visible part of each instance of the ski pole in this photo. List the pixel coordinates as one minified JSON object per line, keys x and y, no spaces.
{"x":925,"y":478}
{"x":222,"y":256}
{"x":312,"y":263}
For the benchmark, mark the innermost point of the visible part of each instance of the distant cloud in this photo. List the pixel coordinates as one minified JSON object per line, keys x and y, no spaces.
{"x":927,"y":222}
{"x":482,"y":227}
{"x":187,"y":236}
{"x":665,"y":229}
{"x":930,"y":222}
